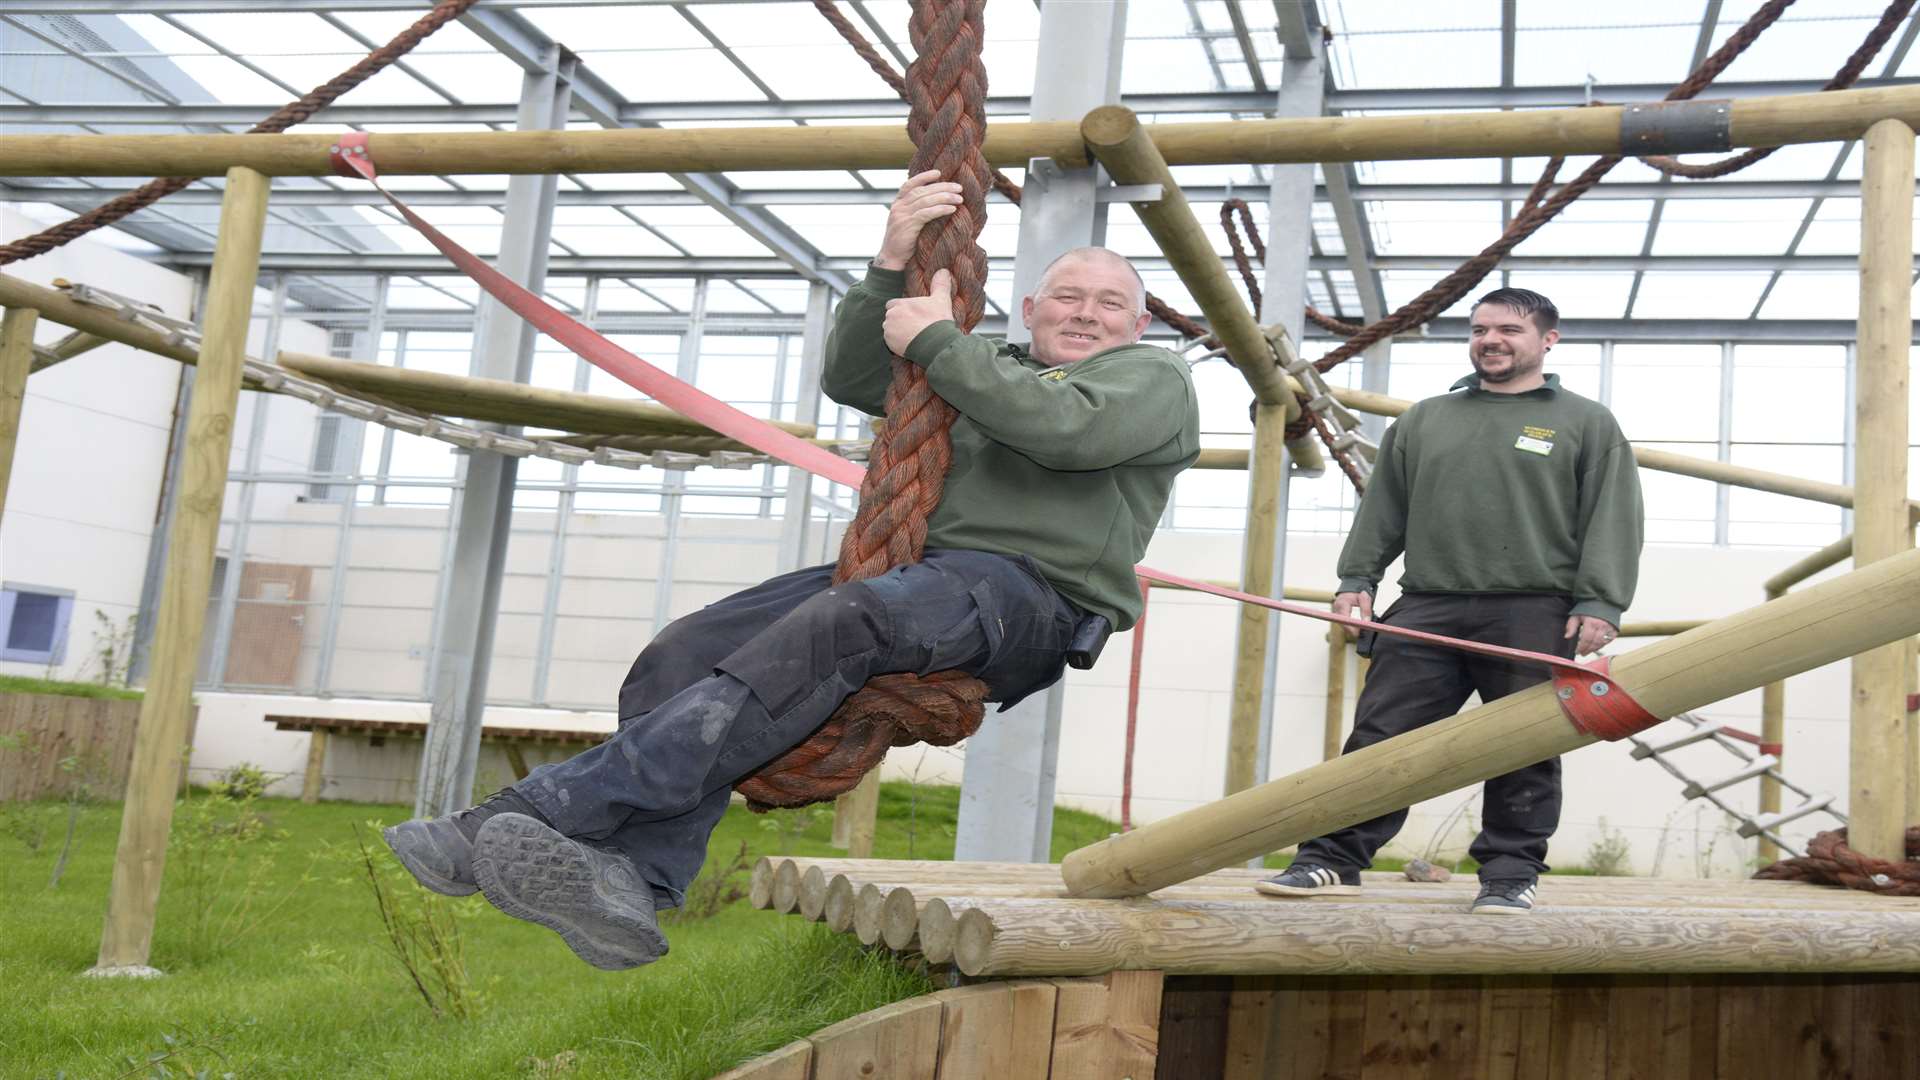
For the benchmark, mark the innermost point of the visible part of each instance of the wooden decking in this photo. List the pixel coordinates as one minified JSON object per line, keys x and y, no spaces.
{"x":1009,"y":919}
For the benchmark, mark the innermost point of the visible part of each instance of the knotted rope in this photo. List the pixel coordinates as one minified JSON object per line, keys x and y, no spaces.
{"x":906,"y":471}
{"x":294,"y":112}
{"x":1829,"y":861}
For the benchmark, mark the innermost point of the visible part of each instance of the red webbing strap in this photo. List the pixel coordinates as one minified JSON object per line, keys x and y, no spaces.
{"x":1596,"y":705}
{"x":1608,"y":710}
{"x":352,"y":159}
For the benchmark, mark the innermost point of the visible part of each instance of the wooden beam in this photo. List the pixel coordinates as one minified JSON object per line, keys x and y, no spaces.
{"x":1757,"y":121}
{"x":1821,"y":624}
{"x":1253,"y":623}
{"x":16,"y":363}
{"x":863,"y":815}
{"x":500,"y":401}
{"x":1115,"y":135}
{"x":1201,"y":937}
{"x":159,"y":740}
{"x":57,"y":306}
{"x":1838,"y":551}
{"x":1877,"y":807}
{"x":68,"y":347}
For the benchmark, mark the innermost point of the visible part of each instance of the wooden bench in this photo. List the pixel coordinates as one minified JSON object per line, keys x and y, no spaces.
{"x":513,"y":739}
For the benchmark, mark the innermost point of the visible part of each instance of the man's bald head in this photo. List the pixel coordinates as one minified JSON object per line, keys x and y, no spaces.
{"x":1095,"y":254}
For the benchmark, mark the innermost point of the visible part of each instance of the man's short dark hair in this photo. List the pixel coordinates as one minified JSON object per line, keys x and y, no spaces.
{"x":1527,"y":302}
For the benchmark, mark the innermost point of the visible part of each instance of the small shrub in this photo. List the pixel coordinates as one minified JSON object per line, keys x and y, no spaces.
{"x":221,"y":859}
{"x":1610,"y":855}
{"x":715,"y":888}
{"x":423,"y":934}
{"x":242,"y":782}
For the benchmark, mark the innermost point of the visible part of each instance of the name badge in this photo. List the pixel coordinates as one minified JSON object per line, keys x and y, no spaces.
{"x":1533,"y":446}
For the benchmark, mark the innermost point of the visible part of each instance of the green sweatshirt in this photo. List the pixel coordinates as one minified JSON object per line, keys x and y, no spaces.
{"x":1070,"y":465}
{"x":1488,"y":493}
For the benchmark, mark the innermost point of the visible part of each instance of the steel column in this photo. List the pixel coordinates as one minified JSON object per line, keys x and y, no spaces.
{"x":1006,"y":791}
{"x":503,"y":350}
{"x":798,"y":513}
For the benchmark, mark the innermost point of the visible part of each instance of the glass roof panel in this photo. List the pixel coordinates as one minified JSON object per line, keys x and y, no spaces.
{"x":1729,"y":226}
{"x":1684,"y":295}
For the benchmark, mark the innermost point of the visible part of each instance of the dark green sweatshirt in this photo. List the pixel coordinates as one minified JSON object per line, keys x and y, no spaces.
{"x":1070,"y":465}
{"x":1487,"y":493}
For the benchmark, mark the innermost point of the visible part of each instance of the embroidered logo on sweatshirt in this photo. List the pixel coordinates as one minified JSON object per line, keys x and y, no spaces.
{"x":1054,"y":374}
{"x":1535,"y":440}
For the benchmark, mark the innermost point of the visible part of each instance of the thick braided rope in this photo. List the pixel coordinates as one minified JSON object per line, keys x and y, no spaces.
{"x":1536,"y":212}
{"x":294,"y":112}
{"x":1848,"y":74}
{"x":1829,"y":861}
{"x":907,"y":467}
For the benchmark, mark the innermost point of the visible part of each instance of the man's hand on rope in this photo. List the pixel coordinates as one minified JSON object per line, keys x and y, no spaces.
{"x":909,"y":315}
{"x":1594,"y":633}
{"x":1353,"y":603}
{"x":923,"y":198}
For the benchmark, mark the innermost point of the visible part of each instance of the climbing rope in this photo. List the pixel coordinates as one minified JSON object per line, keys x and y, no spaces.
{"x":294,"y":112}
{"x":1848,"y":74}
{"x":1829,"y":861}
{"x":947,"y":93}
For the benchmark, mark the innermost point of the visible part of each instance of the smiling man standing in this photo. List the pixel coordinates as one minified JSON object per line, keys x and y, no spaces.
{"x":1063,"y":459}
{"x":1517,"y":503}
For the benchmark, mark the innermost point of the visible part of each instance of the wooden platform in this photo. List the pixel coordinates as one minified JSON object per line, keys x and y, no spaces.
{"x":1609,"y":978}
{"x":1011,"y":919}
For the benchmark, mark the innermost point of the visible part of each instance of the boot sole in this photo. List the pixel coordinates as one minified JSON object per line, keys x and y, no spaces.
{"x":531,"y":872}
{"x":1317,"y":890}
{"x":404,"y":847}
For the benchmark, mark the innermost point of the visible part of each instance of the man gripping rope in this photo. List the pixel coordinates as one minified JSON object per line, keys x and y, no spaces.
{"x":1517,"y":503}
{"x":1064,"y":456}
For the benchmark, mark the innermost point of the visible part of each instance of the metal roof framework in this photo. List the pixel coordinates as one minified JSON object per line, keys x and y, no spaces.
{"x":1375,"y":231}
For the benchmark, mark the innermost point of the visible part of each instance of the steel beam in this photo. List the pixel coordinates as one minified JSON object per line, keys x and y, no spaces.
{"x":470,"y":600}
{"x":1007,"y":786}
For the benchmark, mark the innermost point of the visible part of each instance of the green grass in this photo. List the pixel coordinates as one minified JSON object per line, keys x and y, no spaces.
{"x":21,"y":684}
{"x":310,"y":990}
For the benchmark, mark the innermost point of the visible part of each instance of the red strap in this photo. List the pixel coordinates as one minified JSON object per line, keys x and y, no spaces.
{"x":1596,"y":705}
{"x":350,"y":157}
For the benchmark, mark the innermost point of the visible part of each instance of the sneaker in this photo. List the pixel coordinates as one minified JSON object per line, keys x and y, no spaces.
{"x":439,"y":852}
{"x":1505,"y":896}
{"x":1303,"y":880}
{"x":598,"y":904}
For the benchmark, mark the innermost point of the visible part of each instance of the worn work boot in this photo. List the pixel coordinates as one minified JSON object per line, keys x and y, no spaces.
{"x":595,"y":901}
{"x":438,"y":852}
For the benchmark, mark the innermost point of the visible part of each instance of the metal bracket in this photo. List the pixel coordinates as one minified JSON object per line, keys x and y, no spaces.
{"x":1676,"y":127}
{"x":1043,"y":171}
{"x":1130,"y":193}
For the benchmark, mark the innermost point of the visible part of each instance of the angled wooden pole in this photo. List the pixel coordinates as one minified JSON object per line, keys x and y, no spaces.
{"x":16,"y":362}
{"x":1773,"y":730}
{"x":1332,"y":733}
{"x":1877,"y":751}
{"x":1115,"y":136}
{"x":160,"y":737}
{"x":1818,"y":625}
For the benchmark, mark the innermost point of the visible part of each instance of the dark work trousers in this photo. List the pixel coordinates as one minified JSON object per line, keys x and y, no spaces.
{"x":726,"y":689}
{"x":1411,"y":685}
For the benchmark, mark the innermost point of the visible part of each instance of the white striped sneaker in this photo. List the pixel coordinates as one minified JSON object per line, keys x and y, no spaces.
{"x":1505,"y":896}
{"x":1305,"y":880}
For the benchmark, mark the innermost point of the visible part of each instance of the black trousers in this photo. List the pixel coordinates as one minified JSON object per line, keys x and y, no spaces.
{"x":1411,"y":685}
{"x":720,"y":692}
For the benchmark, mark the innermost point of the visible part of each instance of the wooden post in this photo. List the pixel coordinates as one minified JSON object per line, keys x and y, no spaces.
{"x":158,"y":741}
{"x":16,"y":361}
{"x":862,"y":812}
{"x":1114,"y":134}
{"x":1877,"y":807}
{"x":1256,"y":570}
{"x":1337,"y":640}
{"x":316,"y":777}
{"x":1867,"y":608}
{"x":1773,"y":729}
